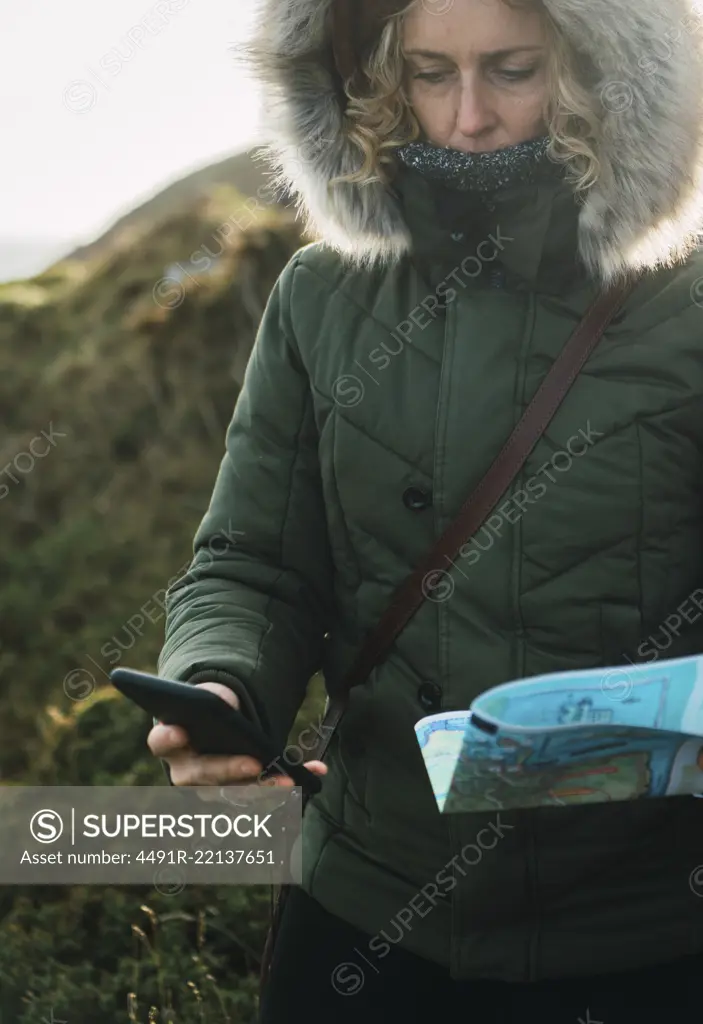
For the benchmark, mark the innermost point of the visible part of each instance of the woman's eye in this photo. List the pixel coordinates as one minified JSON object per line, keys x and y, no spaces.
{"x":433,"y":77}
{"x":515,"y":74}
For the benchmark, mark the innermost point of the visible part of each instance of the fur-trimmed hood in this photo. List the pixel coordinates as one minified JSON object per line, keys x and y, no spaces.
{"x":646,"y":209}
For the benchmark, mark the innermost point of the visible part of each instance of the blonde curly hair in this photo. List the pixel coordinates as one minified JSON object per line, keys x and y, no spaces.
{"x":379,"y":118}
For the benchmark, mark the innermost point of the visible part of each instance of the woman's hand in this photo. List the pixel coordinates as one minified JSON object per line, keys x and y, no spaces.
{"x":171,"y":742}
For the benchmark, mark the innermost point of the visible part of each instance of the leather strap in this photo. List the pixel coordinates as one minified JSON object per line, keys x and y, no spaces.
{"x":478,"y":506}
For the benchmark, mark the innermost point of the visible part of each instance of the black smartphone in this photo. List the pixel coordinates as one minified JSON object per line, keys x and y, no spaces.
{"x":213,"y":725}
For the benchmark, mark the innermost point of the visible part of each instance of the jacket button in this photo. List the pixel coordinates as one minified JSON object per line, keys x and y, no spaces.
{"x":415,"y":498}
{"x":430,"y":696}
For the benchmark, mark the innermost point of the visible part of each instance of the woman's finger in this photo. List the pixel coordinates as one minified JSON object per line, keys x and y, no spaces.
{"x":316,"y":767}
{"x":164,"y":740}
{"x":213,"y":770}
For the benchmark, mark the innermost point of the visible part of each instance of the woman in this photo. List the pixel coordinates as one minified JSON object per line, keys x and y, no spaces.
{"x":478,"y":171}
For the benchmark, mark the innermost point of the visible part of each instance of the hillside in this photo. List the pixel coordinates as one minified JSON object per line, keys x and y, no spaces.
{"x":119,"y":372}
{"x":138,"y":373}
{"x":243,"y":172}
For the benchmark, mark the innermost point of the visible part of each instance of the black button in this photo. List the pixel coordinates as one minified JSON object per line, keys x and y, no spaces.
{"x":430,"y":696}
{"x":415,"y":498}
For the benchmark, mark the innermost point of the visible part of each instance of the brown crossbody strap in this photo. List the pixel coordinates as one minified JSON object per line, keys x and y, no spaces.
{"x":478,"y":506}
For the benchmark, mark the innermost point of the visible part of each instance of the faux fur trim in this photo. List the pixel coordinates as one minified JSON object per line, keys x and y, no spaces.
{"x":646,"y":209}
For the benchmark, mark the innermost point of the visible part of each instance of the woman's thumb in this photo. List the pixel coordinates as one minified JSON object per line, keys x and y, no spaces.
{"x":221,"y":690}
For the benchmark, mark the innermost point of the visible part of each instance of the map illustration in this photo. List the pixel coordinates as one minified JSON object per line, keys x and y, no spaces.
{"x":567,"y":738}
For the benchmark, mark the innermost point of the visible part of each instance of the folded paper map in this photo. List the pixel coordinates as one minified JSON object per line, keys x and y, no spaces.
{"x":570,"y":738}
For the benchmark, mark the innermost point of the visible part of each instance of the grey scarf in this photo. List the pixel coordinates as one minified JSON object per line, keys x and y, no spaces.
{"x":522,"y":163}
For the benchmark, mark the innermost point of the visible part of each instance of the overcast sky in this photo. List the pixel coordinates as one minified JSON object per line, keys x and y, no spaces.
{"x":108,"y":102}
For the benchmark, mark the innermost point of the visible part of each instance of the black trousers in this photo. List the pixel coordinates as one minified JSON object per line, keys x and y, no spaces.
{"x":318,"y":968}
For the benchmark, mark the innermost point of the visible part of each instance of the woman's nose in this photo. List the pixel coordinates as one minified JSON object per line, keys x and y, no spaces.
{"x":474,"y":115}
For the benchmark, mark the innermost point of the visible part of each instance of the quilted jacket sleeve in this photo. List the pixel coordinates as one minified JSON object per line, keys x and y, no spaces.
{"x":253,"y":609}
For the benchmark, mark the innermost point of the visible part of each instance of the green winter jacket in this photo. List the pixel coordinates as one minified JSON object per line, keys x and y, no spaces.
{"x":383,"y":382}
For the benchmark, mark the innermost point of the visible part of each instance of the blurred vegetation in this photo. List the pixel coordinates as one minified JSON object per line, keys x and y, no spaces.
{"x":133,"y":380}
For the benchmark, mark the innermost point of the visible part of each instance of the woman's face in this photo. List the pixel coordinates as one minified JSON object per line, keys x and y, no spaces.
{"x":476,"y":72}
